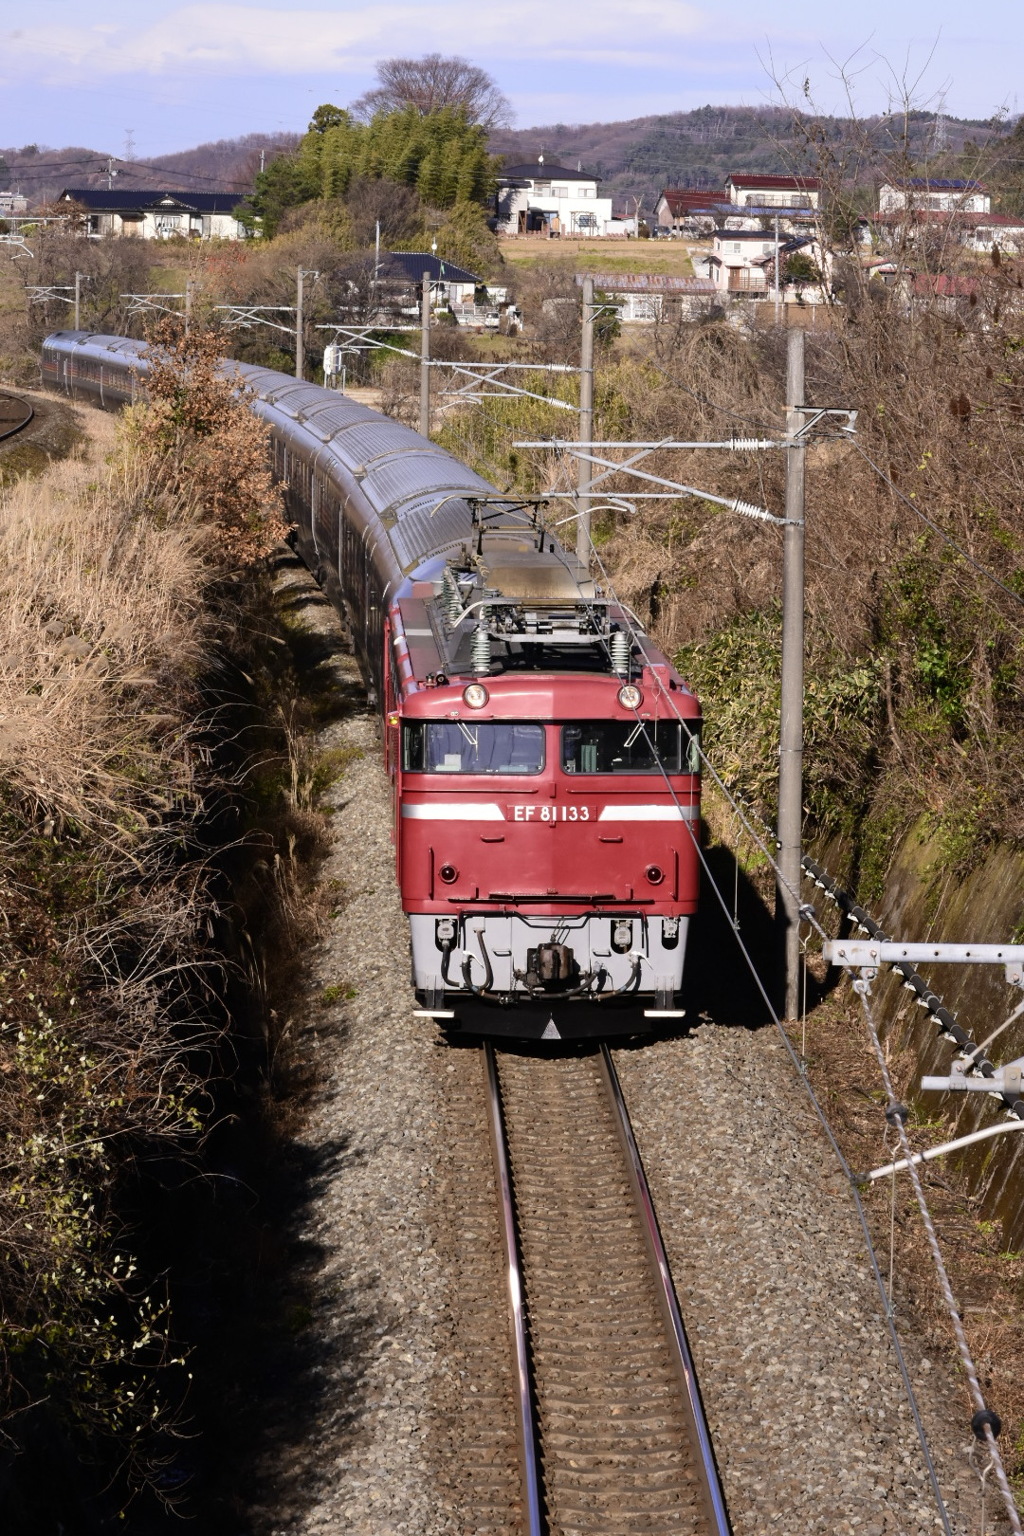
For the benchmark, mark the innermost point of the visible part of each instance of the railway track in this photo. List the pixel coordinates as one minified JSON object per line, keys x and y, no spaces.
{"x":612,"y":1432}
{"x":15,"y":413}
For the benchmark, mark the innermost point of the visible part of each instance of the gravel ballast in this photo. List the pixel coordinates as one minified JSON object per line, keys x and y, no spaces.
{"x":410,"y":1428}
{"x":805,"y":1402}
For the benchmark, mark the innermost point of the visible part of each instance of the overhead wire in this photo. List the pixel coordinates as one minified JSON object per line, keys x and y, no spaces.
{"x":985,"y":1423}
{"x":797,"y":1063}
{"x":936,"y":527}
{"x":97,"y":164}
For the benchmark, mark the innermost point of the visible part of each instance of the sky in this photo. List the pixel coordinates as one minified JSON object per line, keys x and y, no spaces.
{"x":85,"y":72}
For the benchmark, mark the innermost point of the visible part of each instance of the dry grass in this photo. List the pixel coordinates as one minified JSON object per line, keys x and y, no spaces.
{"x":99,"y":604}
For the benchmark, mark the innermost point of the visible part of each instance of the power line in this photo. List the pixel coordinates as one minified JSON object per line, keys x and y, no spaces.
{"x":96,"y":163}
{"x":985,"y":1424}
{"x":935,"y":527}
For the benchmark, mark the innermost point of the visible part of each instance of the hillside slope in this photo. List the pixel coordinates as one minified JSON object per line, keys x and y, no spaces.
{"x":638,"y":157}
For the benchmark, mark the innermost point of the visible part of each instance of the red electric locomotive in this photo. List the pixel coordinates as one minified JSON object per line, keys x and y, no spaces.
{"x":547,"y":793}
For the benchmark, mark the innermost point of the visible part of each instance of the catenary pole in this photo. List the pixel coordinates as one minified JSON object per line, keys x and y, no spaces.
{"x":425,"y":358}
{"x":298,"y":323}
{"x":584,"y":545}
{"x":791,"y":736}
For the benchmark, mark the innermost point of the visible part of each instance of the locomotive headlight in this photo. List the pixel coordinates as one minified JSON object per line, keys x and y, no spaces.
{"x":475,"y":695}
{"x":630,"y":696}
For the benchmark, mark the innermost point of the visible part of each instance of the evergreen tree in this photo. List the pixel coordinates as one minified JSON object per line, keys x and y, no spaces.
{"x":442,"y":154}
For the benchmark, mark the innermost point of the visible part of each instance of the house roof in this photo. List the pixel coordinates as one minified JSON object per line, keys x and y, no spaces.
{"x":788,"y":248}
{"x":776,"y":183}
{"x":763,"y":211}
{"x":945,"y":284}
{"x":146,"y":199}
{"x":949,"y":218}
{"x":744,"y":234}
{"x":938,"y":184}
{"x":687,"y":200}
{"x":647,"y":282}
{"x":413,"y":264}
{"x":537,"y":170}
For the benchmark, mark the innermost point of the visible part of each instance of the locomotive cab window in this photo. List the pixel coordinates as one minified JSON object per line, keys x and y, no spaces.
{"x":631,"y":746}
{"x":469,"y":746}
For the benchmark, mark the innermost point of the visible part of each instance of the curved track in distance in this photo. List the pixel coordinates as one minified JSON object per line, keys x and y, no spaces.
{"x":15,"y":414}
{"x":613,"y":1434}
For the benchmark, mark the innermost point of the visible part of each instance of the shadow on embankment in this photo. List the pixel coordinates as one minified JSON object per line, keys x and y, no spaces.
{"x":719,"y":985}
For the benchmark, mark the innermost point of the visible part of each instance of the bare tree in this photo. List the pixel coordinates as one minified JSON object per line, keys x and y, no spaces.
{"x":432,"y":83}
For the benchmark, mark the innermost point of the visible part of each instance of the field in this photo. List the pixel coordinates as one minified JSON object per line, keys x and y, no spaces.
{"x":668,"y":257}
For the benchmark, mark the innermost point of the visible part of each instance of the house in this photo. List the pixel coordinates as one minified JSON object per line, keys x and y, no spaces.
{"x":402,"y":273}
{"x":684,"y":211}
{"x":770,"y":193}
{"x":644,"y":297}
{"x":809,"y":287}
{"x":538,"y":198}
{"x":735,"y":262}
{"x":147,"y":215}
{"x":12,"y":204}
{"x":743,"y":261}
{"x":997,"y":231}
{"x":923,"y":194}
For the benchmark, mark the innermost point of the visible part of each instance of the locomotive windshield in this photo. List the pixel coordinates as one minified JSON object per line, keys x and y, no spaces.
{"x":631,"y":746}
{"x":464,"y":746}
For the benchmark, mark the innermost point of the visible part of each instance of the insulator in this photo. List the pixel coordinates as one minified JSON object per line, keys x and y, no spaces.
{"x":452,"y":597}
{"x":620,"y":652}
{"x":749,"y":510}
{"x":480,"y":653}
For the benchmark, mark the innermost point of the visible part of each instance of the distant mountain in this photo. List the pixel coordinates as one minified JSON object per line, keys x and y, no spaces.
{"x":228,"y":164}
{"x":639,"y":157}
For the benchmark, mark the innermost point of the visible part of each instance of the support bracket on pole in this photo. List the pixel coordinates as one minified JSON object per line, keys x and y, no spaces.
{"x":860,"y":954}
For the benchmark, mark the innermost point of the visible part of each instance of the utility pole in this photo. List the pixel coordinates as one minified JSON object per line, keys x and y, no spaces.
{"x":778,"y":276}
{"x":791,"y":733}
{"x":425,"y":358}
{"x":584,"y":542}
{"x":78,"y":301}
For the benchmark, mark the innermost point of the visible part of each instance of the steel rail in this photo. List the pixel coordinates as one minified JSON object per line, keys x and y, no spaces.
{"x":533,"y":1521}
{"x":10,"y":431}
{"x":711,"y":1487}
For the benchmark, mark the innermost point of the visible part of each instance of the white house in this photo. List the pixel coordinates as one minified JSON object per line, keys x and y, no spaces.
{"x":771,"y":192}
{"x":148,"y":215}
{"x":1003,"y":231}
{"x":537,"y":198}
{"x":743,"y":261}
{"x":922,"y":194}
{"x":734,"y":263}
{"x":12,"y":204}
